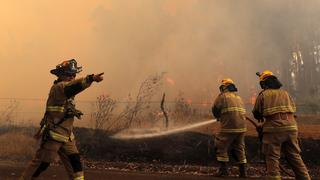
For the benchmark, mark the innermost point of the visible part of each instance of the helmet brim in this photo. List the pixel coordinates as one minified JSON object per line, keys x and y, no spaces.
{"x":59,"y":72}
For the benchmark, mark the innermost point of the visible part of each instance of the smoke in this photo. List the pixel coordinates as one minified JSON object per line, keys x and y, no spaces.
{"x":197,"y":42}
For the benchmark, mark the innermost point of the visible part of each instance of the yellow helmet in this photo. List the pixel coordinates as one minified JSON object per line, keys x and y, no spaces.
{"x":265,"y":74}
{"x":227,"y":84}
{"x":227,"y":81}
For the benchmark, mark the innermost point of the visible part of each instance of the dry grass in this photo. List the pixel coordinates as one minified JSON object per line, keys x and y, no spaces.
{"x":17,"y":146}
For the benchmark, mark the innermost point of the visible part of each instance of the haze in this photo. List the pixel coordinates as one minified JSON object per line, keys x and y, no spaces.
{"x":197,"y":42}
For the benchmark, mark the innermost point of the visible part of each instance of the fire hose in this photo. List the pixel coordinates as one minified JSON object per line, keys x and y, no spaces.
{"x":259,"y":130}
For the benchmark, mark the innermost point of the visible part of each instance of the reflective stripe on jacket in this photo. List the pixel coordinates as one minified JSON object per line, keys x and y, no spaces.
{"x":61,"y":138}
{"x":228,"y":108}
{"x":280,"y":129}
{"x":61,"y":98}
{"x":278,"y":109}
{"x":55,"y":109}
{"x":238,"y":130}
{"x":233,"y":109}
{"x":272,"y":102}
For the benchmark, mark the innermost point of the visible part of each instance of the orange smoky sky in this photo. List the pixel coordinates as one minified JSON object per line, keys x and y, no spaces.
{"x":197,"y":42}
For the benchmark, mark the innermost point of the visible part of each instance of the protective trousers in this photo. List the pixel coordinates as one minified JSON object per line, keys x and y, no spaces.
{"x":288,"y":141}
{"x":48,"y":152}
{"x":230,"y":141}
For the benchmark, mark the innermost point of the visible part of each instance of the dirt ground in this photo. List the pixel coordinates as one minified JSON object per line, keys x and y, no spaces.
{"x":12,"y":171}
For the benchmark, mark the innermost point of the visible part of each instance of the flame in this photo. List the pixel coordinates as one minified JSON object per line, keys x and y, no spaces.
{"x":253,"y":99}
{"x":170,"y":7}
{"x":188,"y":101}
{"x":170,"y":81}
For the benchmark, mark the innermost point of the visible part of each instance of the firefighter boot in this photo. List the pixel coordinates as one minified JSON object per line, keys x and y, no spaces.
{"x":243,"y":171}
{"x":223,"y":170}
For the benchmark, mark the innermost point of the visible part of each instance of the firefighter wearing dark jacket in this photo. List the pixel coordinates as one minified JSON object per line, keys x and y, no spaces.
{"x":229,"y":110}
{"x":57,"y":138}
{"x":276,"y":109}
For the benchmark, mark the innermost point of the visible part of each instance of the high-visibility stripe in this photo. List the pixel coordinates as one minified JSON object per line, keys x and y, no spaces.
{"x":55,"y":108}
{"x":79,"y":178}
{"x":233,"y":109}
{"x":242,"y":161}
{"x":280,"y":129}
{"x":273,"y":177}
{"x":222,"y":159}
{"x":85,"y":83}
{"x":278,"y":109}
{"x":238,"y":130}
{"x":60,"y":138}
{"x":232,"y":95}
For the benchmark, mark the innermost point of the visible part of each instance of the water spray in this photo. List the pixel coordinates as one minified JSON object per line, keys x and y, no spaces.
{"x":126,"y":135}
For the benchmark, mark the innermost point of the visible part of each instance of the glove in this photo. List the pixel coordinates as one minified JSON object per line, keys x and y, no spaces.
{"x":98,"y":77}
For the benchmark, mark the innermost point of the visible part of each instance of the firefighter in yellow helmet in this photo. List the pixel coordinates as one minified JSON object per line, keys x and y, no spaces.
{"x":56,"y":132}
{"x":276,"y":109}
{"x":229,"y":110}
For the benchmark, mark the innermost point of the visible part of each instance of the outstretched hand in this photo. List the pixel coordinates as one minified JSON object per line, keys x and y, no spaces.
{"x":98,"y":77}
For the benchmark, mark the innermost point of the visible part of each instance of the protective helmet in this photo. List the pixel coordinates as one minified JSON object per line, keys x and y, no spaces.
{"x":227,"y":84}
{"x":264,"y":75}
{"x":226,"y":81}
{"x":68,"y":67}
{"x":268,"y":80}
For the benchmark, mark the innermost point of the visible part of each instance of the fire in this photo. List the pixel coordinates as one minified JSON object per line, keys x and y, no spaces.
{"x":170,"y":7}
{"x":253,"y":99}
{"x":188,"y":101}
{"x":170,"y":81}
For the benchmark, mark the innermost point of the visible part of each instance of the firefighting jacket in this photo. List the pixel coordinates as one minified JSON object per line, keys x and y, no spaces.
{"x":60,"y":107}
{"x":228,"y":108}
{"x":277,"y":108}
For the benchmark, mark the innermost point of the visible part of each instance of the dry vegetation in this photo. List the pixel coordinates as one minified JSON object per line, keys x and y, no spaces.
{"x":104,"y":112}
{"x":8,"y":113}
{"x":17,"y":146}
{"x":133,"y":114}
{"x":143,"y":110}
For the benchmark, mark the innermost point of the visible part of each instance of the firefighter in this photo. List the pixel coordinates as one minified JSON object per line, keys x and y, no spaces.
{"x":56,"y":132}
{"x":229,"y":110}
{"x":275,"y":108}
